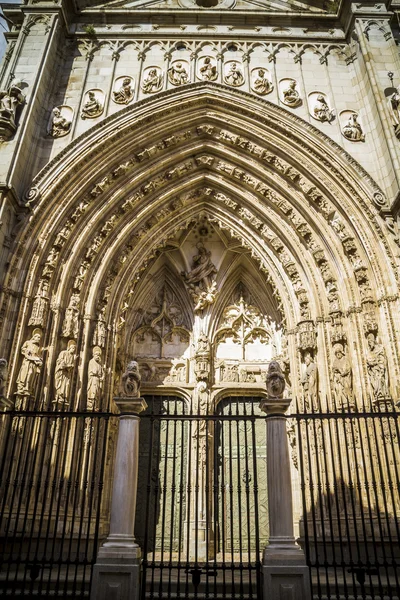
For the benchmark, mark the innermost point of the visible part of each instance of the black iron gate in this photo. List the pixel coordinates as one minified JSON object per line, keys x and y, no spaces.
{"x":202,"y":499}
{"x":349,"y":469}
{"x":51,"y":484}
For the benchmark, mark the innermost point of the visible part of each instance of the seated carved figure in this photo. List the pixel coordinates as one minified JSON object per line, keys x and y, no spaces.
{"x":92,"y":107}
{"x":130,"y":381}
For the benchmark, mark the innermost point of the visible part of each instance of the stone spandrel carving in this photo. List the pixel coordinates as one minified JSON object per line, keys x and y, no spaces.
{"x":60,"y":121}
{"x":71,"y":320}
{"x":309,"y":382}
{"x":130,"y":381}
{"x":261,"y":82}
{"x":3,"y":377}
{"x":377,"y":370}
{"x":342,"y":378}
{"x":351,"y":128}
{"x":233,"y":74}
{"x":289,"y":93}
{"x":63,"y":373}
{"x":95,"y":380}
{"x":40,"y":305}
{"x":152,"y":80}
{"x":207,"y":70}
{"x":319,"y":107}
{"x":31,"y":366}
{"x":10,"y":100}
{"x":93,"y":104}
{"x":394,"y":110}
{"x":124,"y":90}
{"x":178,"y":73}
{"x":200,"y":279}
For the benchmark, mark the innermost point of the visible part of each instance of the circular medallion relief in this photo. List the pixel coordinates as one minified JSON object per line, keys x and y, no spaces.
{"x":207,"y":3}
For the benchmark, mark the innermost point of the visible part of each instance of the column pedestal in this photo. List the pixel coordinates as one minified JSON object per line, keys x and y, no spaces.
{"x":286,"y":575}
{"x":117,"y":569}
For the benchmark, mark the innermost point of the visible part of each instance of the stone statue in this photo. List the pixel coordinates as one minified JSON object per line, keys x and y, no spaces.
{"x":63,"y":373}
{"x":10,"y":100}
{"x":130,"y":381}
{"x":275,"y":380}
{"x":394,"y":110}
{"x":99,"y":335}
{"x":50,"y":263}
{"x":234,"y":76}
{"x":262,"y":84}
{"x":321,"y":110}
{"x":152,"y":82}
{"x":291,"y":96}
{"x":377,"y":369}
{"x":200,"y":281}
{"x":342,"y":378}
{"x":92,"y":107}
{"x":208,"y":71}
{"x":40,"y":304}
{"x":59,"y":125}
{"x":95,"y":380}
{"x":310,"y":383}
{"x":125,"y":93}
{"x":177,"y":74}
{"x":352,"y":129}
{"x":3,"y":376}
{"x":71,"y":320}
{"x":31,"y":365}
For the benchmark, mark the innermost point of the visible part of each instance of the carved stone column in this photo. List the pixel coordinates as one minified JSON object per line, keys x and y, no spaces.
{"x":116,"y":572}
{"x":286,"y":575}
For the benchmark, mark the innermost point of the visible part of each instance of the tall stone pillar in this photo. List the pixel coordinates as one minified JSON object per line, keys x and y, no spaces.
{"x":286,"y":575}
{"x":116,"y":572}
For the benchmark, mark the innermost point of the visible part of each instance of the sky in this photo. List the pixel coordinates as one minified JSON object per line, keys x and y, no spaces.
{"x":4,"y":27}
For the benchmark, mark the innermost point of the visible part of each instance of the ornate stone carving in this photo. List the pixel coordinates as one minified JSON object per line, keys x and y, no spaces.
{"x":130,"y":381}
{"x":63,"y":374}
{"x":342,"y":384}
{"x":394,"y":110}
{"x":50,"y":263}
{"x":261,"y":82}
{"x":152,"y":80}
{"x":178,"y":73}
{"x":99,"y":335}
{"x":289,"y":94}
{"x":319,"y":107}
{"x":71,"y":320}
{"x":351,"y":128}
{"x":202,"y":366}
{"x":309,"y":382}
{"x":307,"y":336}
{"x":200,"y":280}
{"x":207,"y":69}
{"x":275,"y":380}
{"x":60,"y":121}
{"x":93,"y":104}
{"x":377,"y":370}
{"x":40,"y":304}
{"x":95,"y":380}
{"x":124,"y":90}
{"x":31,"y":365}
{"x":233,"y":74}
{"x":3,"y":377}
{"x":10,"y":100}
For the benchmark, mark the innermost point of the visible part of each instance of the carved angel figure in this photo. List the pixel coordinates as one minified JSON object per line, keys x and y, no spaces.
{"x":342,"y":378}
{"x":208,"y":71}
{"x":31,"y":365}
{"x":95,"y":380}
{"x":177,"y":74}
{"x":40,"y":304}
{"x":92,"y":107}
{"x":377,"y":369}
{"x":291,"y":96}
{"x":310,"y":383}
{"x":3,"y":376}
{"x":125,"y":93}
{"x":352,"y":129}
{"x":321,"y":110}
{"x":130,"y":381}
{"x":262,"y":84}
{"x":63,"y":373}
{"x":234,"y":76}
{"x":59,"y":125}
{"x":152,"y":82}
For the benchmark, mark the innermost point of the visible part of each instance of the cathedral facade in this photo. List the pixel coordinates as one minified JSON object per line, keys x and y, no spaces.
{"x":199,"y":299}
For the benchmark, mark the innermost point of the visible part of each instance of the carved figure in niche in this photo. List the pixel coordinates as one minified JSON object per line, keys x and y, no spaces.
{"x":59,"y":125}
{"x":200,"y":279}
{"x":79,"y":279}
{"x":230,"y":374}
{"x":95,"y":380}
{"x":208,"y":71}
{"x":178,"y":74}
{"x":99,"y":335}
{"x":71,"y":320}
{"x":342,"y":378}
{"x":50,"y":263}
{"x":92,"y":107}
{"x":262,"y":84}
{"x":275,"y":380}
{"x":125,"y":93}
{"x":31,"y":365}
{"x":152,"y":82}
{"x":377,"y":369}
{"x":291,"y":96}
{"x":3,"y":376}
{"x":63,"y":373}
{"x":394,"y":110}
{"x":130,"y":381}
{"x":310,"y":383}
{"x":321,"y":110}
{"x":40,"y":304}
{"x":352,"y":130}
{"x":234,"y":76}
{"x":333,"y":297}
{"x":10,"y":100}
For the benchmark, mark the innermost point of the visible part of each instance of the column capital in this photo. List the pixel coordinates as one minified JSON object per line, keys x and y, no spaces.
{"x":130,"y":406}
{"x":275,"y":406}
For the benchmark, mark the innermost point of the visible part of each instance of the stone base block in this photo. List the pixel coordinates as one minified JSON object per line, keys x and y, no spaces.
{"x":116,"y":579}
{"x":286,"y":575}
